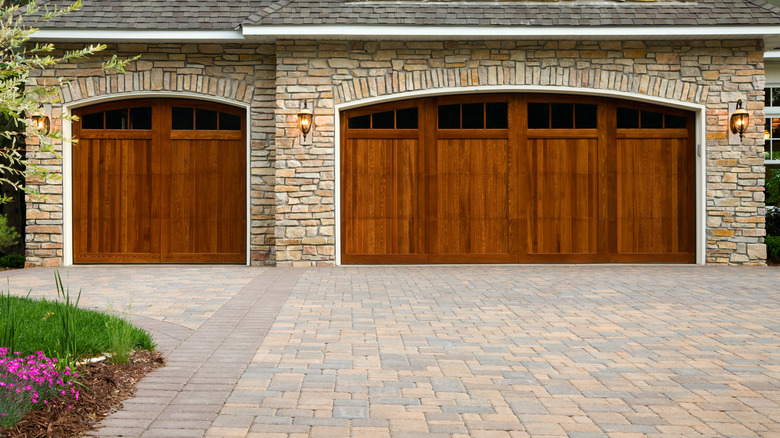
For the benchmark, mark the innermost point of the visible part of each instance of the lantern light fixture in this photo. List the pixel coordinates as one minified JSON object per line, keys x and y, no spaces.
{"x":41,"y":122}
{"x":739,"y":121}
{"x":304,"y":120}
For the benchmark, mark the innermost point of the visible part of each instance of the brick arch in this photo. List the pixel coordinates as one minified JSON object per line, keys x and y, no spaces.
{"x":156,"y":81}
{"x":596,"y":79}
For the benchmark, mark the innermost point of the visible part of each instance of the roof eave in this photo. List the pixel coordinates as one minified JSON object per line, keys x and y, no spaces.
{"x":135,"y":35}
{"x":769,"y":33}
{"x":522,"y":32}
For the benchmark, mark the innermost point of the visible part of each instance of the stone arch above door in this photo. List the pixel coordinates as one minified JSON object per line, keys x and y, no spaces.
{"x":519,"y":75}
{"x":157,"y":81}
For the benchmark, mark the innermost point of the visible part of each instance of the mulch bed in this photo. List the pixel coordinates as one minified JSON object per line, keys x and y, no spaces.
{"x":105,"y":386}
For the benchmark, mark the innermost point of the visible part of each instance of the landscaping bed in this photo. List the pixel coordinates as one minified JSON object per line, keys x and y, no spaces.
{"x":105,"y":386}
{"x":49,"y":385}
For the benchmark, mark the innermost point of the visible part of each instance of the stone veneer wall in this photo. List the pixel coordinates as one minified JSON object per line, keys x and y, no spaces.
{"x":712,"y":73}
{"x":239,"y":73}
{"x":293,"y":186}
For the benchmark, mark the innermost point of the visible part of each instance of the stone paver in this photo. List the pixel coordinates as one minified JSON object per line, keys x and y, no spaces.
{"x":182,"y":295}
{"x":583,"y":351}
{"x":481,"y":351}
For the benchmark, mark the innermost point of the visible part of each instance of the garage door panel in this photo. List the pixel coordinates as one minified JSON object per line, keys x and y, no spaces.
{"x":471,"y":198}
{"x":206,"y":187}
{"x":112,"y":182}
{"x":653,"y":199}
{"x":563,"y":216}
{"x":381,"y":183}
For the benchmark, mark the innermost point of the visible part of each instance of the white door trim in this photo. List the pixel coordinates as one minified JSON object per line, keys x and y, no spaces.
{"x":701,"y":136}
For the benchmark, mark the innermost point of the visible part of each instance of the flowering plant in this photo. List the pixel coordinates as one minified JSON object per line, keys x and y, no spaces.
{"x":27,"y":383}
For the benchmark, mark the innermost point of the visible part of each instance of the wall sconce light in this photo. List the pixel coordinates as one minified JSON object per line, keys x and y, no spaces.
{"x":304,"y":120}
{"x":41,"y":122}
{"x":739,"y":121}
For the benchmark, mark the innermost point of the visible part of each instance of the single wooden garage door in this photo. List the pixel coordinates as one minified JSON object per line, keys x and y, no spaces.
{"x":517,"y":178}
{"x":159,"y":181}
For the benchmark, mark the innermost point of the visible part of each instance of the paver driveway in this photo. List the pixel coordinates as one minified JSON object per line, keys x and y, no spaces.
{"x":580,"y":351}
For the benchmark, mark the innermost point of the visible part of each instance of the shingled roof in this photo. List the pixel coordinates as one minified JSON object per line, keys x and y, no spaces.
{"x":155,"y":14}
{"x":221,"y":14}
{"x":519,"y":13}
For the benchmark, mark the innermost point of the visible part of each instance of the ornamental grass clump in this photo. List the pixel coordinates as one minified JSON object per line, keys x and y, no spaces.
{"x":27,"y":383}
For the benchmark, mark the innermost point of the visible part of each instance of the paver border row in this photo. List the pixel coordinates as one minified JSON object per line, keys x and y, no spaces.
{"x":183,"y":398}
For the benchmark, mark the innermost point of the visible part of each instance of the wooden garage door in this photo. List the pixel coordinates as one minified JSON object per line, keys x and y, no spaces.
{"x":517,"y":178}
{"x":159,"y":181}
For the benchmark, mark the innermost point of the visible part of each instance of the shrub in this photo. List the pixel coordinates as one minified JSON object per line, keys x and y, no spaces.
{"x":27,"y":383}
{"x":773,"y":248}
{"x":12,"y":261}
{"x":772,"y":185}
{"x":8,"y":234}
{"x":773,"y":221}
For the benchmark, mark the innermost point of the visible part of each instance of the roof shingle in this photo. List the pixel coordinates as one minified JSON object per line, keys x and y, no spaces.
{"x":222,"y":15}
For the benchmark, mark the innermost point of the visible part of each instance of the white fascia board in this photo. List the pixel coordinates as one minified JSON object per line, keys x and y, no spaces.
{"x":112,"y":35}
{"x":294,"y":31}
{"x":772,"y":55}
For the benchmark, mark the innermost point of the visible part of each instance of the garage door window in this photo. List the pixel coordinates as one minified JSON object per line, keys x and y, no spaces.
{"x":185,"y":119}
{"x":123,"y":118}
{"x":480,"y":115}
{"x":399,"y":119}
{"x":632,"y":118}
{"x":562,"y":116}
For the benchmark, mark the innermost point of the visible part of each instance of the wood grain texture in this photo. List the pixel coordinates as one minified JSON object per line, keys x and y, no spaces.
{"x":653,"y":201}
{"x":470,"y":220}
{"x":564,"y":199}
{"x":519,"y":194}
{"x":381,"y":202}
{"x":141,"y":197}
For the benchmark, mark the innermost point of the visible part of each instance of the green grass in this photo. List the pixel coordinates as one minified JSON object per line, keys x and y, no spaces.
{"x":38,"y":328}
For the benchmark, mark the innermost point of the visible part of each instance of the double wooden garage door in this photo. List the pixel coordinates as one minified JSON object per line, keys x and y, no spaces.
{"x":517,"y":178}
{"x":159,"y":181}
